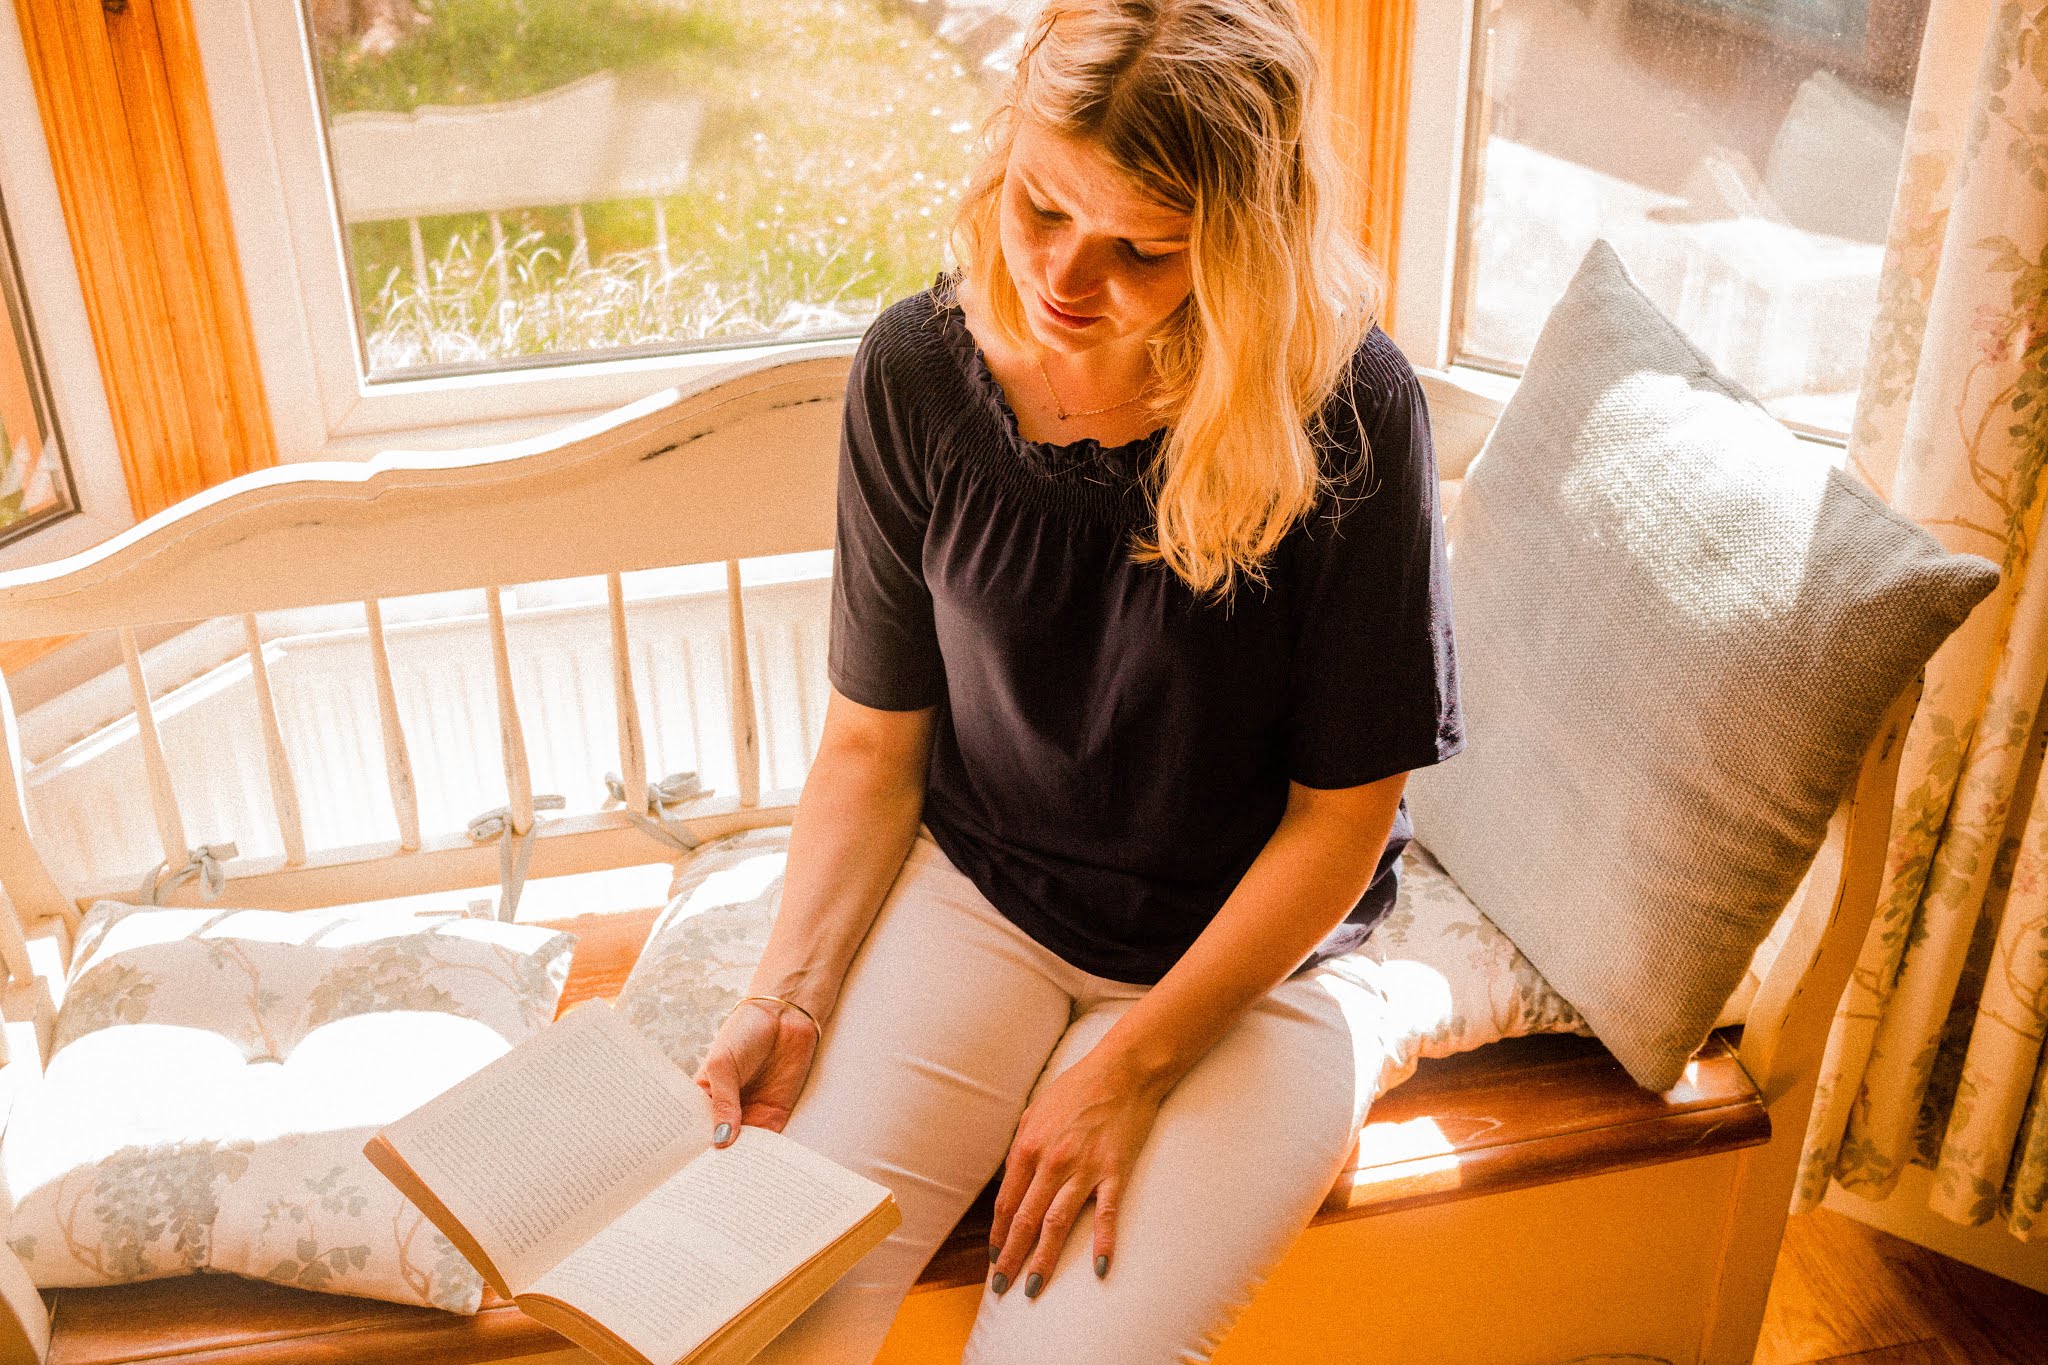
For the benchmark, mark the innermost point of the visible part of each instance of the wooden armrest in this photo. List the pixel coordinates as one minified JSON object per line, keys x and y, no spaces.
{"x":1522,"y":1112}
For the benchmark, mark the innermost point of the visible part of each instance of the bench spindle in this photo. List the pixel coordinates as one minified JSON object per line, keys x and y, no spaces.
{"x":746,"y":737}
{"x":511,"y":739}
{"x":163,"y":798}
{"x":405,"y":801}
{"x":632,"y":750}
{"x":27,"y":880}
{"x":284,"y":791}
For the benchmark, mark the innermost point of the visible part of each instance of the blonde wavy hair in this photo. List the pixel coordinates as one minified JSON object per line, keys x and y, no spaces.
{"x":1212,"y":108}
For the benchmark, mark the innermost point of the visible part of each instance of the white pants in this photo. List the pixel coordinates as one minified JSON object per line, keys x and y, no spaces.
{"x":949,"y":1019}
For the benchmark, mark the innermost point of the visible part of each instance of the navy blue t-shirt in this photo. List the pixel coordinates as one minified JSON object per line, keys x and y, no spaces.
{"x":1111,"y":753}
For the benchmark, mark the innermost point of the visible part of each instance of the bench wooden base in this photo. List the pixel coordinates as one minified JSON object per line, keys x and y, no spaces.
{"x":1514,"y":1116}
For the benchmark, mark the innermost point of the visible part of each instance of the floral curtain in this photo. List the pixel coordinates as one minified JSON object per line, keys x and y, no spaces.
{"x":1935,"y":1054}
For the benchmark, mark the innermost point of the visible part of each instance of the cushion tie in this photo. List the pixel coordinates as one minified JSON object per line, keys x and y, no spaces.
{"x":204,"y":862}
{"x":515,"y":850}
{"x":671,"y":790}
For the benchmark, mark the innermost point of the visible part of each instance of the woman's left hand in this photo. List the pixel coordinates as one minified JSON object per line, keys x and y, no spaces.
{"x":1080,"y":1138}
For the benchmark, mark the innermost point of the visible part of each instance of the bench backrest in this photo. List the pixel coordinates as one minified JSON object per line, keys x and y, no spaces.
{"x":742,"y":465}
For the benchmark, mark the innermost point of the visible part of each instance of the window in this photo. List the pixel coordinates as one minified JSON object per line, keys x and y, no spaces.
{"x":1740,"y":155}
{"x":61,"y":482}
{"x":494,"y":210}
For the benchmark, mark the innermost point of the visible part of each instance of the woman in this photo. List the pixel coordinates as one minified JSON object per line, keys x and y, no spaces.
{"x":1138,"y":626}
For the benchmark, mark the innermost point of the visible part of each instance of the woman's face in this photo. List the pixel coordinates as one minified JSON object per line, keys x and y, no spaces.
{"x":1094,"y":260}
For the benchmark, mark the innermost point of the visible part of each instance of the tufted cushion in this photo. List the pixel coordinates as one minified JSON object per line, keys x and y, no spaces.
{"x":216,"y":1073}
{"x":1450,"y":980}
{"x":701,"y":952}
{"x":1678,"y":628}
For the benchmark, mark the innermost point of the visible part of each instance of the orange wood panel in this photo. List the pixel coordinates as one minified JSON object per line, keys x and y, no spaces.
{"x":1368,"y":52}
{"x":131,"y":139}
{"x":227,"y":1320}
{"x":1848,"y":1293}
{"x":17,"y":654}
{"x":1529,"y":1111}
{"x":607,"y":946}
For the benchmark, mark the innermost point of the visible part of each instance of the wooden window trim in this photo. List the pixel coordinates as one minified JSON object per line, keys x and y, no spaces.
{"x":131,"y":140}
{"x":1368,"y":51}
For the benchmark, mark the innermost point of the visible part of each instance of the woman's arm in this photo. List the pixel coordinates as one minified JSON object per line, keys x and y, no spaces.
{"x":854,"y":825}
{"x":1082,"y":1135}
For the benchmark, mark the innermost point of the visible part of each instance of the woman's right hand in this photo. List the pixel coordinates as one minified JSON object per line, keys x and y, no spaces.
{"x":757,"y":1065}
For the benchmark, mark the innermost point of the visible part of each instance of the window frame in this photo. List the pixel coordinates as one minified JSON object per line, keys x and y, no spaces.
{"x":55,"y":300}
{"x":1437,"y":185}
{"x":1433,"y":189}
{"x":257,"y":57}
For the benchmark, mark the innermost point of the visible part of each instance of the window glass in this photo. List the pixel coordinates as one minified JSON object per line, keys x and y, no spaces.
{"x":1740,"y":155}
{"x":35,"y":480}
{"x":521,"y":181}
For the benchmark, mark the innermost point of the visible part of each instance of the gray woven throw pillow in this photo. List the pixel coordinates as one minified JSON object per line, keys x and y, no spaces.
{"x":1678,"y":628}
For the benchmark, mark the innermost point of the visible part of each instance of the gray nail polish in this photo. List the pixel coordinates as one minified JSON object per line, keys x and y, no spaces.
{"x":721,"y":1133}
{"x":995,"y":1253}
{"x":1000,"y":1283}
{"x":1101,"y":1265}
{"x":1032,"y":1285}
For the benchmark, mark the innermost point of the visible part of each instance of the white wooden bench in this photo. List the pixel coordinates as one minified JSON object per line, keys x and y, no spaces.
{"x":1523,"y":1203}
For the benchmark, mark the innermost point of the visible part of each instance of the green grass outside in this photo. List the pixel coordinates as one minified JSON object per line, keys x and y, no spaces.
{"x":475,"y":51}
{"x":836,"y":137}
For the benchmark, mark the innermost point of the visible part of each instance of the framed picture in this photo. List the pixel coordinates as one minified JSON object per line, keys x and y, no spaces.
{"x":35,"y":478}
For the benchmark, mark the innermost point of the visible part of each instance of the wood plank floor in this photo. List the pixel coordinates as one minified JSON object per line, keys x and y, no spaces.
{"x":1848,"y":1294}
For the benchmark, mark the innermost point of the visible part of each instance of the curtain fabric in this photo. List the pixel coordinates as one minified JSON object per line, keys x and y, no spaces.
{"x":1935,"y":1053}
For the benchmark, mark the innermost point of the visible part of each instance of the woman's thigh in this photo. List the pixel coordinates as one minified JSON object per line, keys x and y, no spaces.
{"x":1244,"y":1150}
{"x":944,"y":1021}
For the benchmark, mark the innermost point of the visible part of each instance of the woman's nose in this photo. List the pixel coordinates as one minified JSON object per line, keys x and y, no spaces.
{"x":1067,"y":273}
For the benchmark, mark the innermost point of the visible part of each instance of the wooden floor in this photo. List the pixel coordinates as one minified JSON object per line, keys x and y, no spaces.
{"x":1848,"y":1294}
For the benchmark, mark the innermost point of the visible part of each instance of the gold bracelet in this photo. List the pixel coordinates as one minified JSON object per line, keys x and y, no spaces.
{"x":776,"y":999}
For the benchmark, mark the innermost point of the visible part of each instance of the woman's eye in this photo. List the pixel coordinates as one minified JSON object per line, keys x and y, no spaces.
{"x":1042,"y":212}
{"x":1141,"y":257}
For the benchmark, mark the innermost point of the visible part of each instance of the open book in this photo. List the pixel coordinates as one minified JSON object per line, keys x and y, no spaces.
{"x":577,"y":1174}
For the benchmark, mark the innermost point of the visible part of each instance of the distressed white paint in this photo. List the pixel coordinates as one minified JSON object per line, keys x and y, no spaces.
{"x":284,"y":792}
{"x":511,"y":738}
{"x":625,"y":705}
{"x":405,"y":806}
{"x":163,"y":798}
{"x":746,"y":741}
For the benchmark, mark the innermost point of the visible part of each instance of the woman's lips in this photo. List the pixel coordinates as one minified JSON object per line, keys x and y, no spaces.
{"x":1065,"y":319}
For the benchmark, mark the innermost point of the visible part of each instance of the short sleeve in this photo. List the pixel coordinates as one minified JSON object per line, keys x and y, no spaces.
{"x":883,"y":650}
{"x":1373,"y":684}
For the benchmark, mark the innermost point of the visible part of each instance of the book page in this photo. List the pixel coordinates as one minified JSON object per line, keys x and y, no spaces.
{"x":547,"y":1144}
{"x":709,"y":1241}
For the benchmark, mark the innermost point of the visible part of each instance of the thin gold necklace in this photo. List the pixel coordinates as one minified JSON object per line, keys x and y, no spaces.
{"x":1061,"y":407}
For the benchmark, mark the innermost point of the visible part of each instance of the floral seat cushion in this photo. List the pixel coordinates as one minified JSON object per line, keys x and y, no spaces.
{"x":215,"y":1074}
{"x":701,"y":952}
